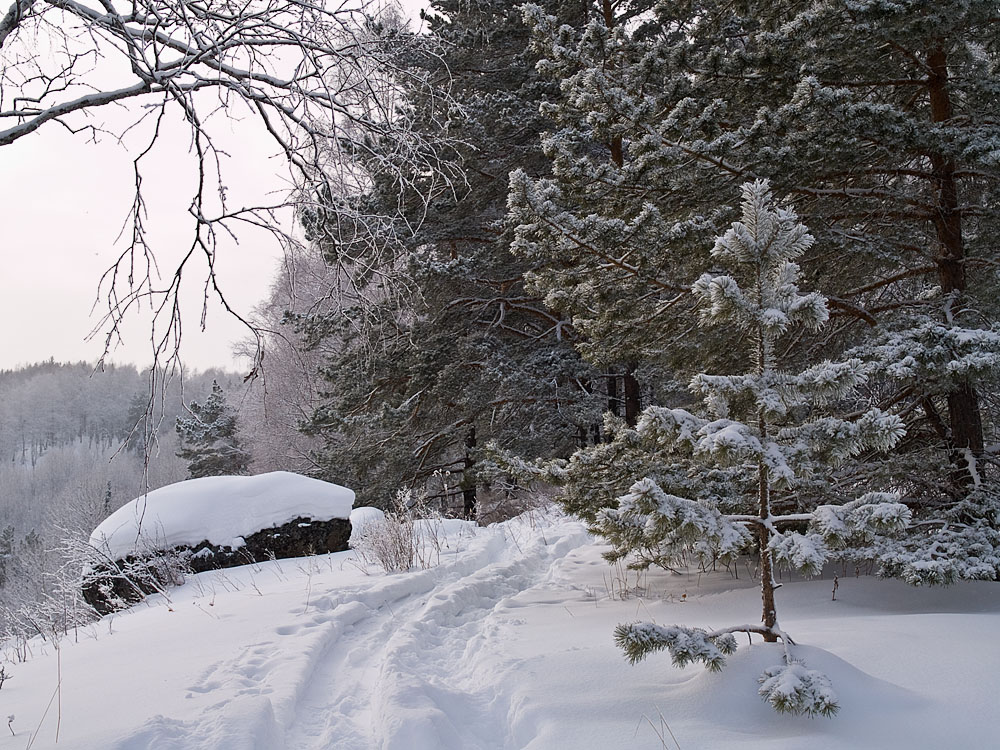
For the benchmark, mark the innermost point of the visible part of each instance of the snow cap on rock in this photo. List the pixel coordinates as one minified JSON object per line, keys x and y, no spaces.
{"x":220,"y":510}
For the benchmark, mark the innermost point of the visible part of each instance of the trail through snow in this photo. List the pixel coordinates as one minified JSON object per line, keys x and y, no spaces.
{"x":505,"y":644}
{"x":393,"y":662}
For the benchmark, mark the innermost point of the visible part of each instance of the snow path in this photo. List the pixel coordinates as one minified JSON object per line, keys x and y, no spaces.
{"x":439,"y":687}
{"x":395,"y":663}
{"x":504,"y":645}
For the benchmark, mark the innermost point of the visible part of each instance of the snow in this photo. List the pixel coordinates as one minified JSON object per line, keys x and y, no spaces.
{"x":505,"y":644}
{"x":221,"y":510}
{"x":725,"y":437}
{"x":360,"y":518}
{"x":803,"y":552}
{"x":786,"y":686}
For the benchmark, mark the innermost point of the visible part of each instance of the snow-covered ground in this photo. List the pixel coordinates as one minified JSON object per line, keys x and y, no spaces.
{"x":507,"y":643}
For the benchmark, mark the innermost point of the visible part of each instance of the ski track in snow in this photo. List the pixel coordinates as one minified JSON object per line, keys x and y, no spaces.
{"x":395,"y":664}
{"x":504,"y":645}
{"x":435,"y":691}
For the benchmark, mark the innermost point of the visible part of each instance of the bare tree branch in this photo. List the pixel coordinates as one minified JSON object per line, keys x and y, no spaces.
{"x":324,"y":81}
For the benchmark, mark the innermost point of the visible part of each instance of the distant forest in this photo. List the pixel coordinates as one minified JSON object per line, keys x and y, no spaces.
{"x":73,"y":444}
{"x":77,"y":443}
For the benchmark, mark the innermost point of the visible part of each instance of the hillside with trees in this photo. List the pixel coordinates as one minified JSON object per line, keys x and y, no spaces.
{"x":77,"y":444}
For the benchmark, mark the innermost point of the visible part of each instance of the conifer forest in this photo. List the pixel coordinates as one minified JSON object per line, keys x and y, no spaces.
{"x":719,"y":280}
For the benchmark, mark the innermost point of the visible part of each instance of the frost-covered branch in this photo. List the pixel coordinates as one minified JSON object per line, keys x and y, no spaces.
{"x":322,"y":83}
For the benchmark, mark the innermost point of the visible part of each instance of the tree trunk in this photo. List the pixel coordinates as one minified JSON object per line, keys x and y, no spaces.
{"x":633,"y":402}
{"x":469,"y":500}
{"x":964,"y":415}
{"x":629,"y":384}
{"x":966,"y":431}
{"x":595,"y":428}
{"x":617,"y":150}
{"x":614,"y":400}
{"x":769,"y":616}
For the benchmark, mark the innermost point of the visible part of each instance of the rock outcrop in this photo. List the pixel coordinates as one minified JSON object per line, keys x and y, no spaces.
{"x":110,"y":587}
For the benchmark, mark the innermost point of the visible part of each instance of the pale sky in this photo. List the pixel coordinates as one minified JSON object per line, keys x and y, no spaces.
{"x":63,"y":203}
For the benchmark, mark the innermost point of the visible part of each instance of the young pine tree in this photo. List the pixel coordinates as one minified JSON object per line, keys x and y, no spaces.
{"x":764,"y":430}
{"x":879,"y":120}
{"x":209,"y":441}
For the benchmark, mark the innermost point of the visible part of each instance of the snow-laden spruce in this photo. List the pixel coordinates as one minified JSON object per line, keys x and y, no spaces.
{"x":954,"y":497}
{"x":209,"y":437}
{"x":753,"y":430}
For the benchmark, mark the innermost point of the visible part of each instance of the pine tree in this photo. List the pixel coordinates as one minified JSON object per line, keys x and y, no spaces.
{"x":878,"y":120}
{"x":458,"y":354}
{"x":766,"y":429}
{"x":209,"y":440}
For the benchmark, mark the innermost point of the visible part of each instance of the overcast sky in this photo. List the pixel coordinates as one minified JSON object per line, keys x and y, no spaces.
{"x":63,"y":203}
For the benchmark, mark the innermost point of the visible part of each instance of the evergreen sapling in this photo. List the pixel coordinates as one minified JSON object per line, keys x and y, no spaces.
{"x":209,"y":440}
{"x":755,"y":427}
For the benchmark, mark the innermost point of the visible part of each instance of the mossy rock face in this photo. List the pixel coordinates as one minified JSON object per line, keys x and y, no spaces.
{"x":108,"y":590}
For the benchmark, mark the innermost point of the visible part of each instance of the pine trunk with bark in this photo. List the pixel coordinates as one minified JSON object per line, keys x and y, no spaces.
{"x":964,"y":417}
{"x":470,"y":502}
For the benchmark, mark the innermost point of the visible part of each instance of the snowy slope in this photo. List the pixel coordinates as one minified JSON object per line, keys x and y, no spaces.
{"x":505,"y":644}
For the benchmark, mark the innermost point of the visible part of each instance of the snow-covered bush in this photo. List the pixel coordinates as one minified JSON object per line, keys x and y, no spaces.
{"x":387,"y":539}
{"x":43,"y":599}
{"x":408,"y":534}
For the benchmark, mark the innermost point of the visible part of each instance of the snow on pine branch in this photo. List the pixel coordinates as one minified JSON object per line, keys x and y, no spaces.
{"x":775,"y":392}
{"x":935,"y":353}
{"x":664,"y":526}
{"x":793,"y":688}
{"x":805,"y":553}
{"x":686,"y":645}
{"x":833,"y":440}
{"x":790,"y":687}
{"x":861,"y":521}
{"x":669,"y":427}
{"x":792,"y":451}
{"x":728,"y":442}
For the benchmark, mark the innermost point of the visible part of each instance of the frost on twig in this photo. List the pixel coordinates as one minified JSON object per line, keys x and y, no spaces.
{"x":322,"y":84}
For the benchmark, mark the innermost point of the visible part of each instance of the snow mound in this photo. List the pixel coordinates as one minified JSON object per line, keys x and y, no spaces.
{"x":864,"y":699}
{"x":221,"y":510}
{"x":362,"y":517}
